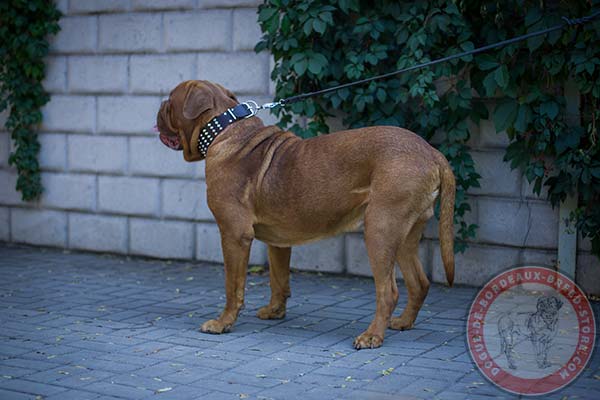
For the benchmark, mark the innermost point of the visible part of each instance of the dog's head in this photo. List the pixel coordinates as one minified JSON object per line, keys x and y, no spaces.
{"x":191,"y":105}
{"x":548,"y":306}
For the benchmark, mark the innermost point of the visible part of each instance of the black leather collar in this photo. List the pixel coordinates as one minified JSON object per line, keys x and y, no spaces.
{"x":209,"y":132}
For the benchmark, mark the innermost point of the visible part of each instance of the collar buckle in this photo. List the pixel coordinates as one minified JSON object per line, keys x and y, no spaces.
{"x":252,"y":106}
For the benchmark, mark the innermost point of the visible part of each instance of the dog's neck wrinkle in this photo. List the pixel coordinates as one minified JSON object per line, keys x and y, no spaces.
{"x":548,"y":319}
{"x":245,"y":130}
{"x":273,"y":142}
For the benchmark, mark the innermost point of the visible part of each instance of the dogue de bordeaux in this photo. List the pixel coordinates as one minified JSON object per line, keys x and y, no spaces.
{"x":268,"y":184}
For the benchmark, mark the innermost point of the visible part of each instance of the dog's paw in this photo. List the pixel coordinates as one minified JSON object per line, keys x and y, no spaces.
{"x":401,"y":323}
{"x":367,"y":340}
{"x":214,"y":326}
{"x":269,"y":312}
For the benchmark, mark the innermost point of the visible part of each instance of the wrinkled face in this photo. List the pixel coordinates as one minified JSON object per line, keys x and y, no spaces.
{"x":190,"y":106}
{"x":549,"y":306}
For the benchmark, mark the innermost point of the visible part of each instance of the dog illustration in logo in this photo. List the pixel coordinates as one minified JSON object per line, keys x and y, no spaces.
{"x":540,"y":327}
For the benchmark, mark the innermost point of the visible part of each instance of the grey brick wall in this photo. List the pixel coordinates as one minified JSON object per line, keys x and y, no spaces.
{"x":112,"y":186}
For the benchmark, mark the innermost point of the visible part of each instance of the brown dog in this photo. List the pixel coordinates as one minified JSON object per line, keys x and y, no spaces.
{"x":268,"y":184}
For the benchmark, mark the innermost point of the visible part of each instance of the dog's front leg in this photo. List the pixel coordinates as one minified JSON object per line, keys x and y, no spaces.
{"x":542,"y":352}
{"x":279,"y":275}
{"x":236,"y":251}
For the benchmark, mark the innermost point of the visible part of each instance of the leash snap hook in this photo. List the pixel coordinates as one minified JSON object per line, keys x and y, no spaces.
{"x":271,"y":105}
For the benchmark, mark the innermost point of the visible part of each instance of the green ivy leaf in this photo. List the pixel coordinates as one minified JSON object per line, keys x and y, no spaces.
{"x":533,"y":43}
{"x":524,"y":118}
{"x":501,"y":76}
{"x":489,"y":84}
{"x":319,"y":26}
{"x":486,"y":62}
{"x":505,"y":114}
{"x":549,"y":108}
{"x":266,"y":13}
{"x":300,"y":66}
{"x":567,"y":140}
{"x":317,"y":63}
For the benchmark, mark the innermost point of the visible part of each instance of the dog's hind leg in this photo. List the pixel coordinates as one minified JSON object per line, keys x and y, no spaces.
{"x":279,"y":274}
{"x":506,"y":347}
{"x":508,"y":350}
{"x":506,"y":333}
{"x":417,"y":283}
{"x":382,"y":235}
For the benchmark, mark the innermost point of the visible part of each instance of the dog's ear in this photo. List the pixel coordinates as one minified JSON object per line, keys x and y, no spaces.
{"x":558,"y":302}
{"x":540,"y":303}
{"x":197,"y":101}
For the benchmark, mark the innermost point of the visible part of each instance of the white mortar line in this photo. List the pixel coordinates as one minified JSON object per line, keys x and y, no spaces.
{"x":67,"y":233}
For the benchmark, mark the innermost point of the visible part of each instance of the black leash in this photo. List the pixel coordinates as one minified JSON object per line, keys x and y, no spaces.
{"x":568,"y":22}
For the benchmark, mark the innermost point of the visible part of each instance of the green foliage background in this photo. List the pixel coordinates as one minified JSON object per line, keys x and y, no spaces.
{"x":24,"y":27}
{"x":322,"y":43}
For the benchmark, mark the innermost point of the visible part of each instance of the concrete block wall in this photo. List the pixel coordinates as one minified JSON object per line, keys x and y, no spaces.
{"x":111,"y":186}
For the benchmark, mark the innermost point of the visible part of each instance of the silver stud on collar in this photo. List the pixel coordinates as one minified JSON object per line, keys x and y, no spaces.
{"x":210,"y":131}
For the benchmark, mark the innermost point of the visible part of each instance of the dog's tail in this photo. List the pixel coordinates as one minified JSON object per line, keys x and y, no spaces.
{"x":446,"y":223}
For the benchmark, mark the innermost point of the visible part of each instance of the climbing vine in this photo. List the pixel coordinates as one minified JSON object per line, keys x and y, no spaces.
{"x":521,"y":87}
{"x":24,"y":28}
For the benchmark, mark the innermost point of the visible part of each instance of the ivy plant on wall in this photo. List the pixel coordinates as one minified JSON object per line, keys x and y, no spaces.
{"x":24,"y":29}
{"x":321,"y":43}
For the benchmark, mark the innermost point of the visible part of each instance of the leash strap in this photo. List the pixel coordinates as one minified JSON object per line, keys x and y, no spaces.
{"x":209,"y":132}
{"x":568,"y":22}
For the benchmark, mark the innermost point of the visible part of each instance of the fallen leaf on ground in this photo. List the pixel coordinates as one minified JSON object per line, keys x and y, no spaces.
{"x":256,"y":269}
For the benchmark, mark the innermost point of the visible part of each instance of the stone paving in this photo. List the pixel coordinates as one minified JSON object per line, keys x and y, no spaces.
{"x":89,"y":326}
